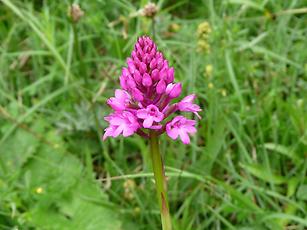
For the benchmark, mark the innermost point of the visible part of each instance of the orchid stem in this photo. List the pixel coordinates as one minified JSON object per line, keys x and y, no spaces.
{"x":160,"y":181}
{"x":78,"y":52}
{"x":153,"y":29}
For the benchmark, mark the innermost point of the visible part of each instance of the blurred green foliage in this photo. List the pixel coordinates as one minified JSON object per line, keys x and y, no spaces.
{"x":245,"y":168}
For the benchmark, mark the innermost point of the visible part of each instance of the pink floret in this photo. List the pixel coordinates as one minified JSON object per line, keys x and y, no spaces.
{"x":121,"y":123}
{"x":120,"y":101}
{"x":150,"y":115}
{"x":181,"y":126}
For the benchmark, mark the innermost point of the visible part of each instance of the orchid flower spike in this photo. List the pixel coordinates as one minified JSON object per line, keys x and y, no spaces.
{"x":144,"y":101}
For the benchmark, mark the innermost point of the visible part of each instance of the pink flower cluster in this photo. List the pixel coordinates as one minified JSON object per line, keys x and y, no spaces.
{"x":144,"y":100}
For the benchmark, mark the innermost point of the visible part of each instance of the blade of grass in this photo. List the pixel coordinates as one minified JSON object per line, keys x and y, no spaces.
{"x":233,"y":79}
{"x":36,"y":107}
{"x":44,"y":39}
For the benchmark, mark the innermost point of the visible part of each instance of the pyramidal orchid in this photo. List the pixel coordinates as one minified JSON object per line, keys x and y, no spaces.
{"x":144,"y":102}
{"x":144,"y":106}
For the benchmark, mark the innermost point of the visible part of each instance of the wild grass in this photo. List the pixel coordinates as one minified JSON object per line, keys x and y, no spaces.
{"x":245,"y":168}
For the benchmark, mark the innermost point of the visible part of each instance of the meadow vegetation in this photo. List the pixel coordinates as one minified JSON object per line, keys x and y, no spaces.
{"x":244,"y":169}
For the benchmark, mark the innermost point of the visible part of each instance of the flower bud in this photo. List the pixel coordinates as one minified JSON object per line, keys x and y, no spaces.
{"x":75,"y":13}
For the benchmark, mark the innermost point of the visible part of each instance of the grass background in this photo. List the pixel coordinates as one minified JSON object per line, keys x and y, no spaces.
{"x":245,"y":168}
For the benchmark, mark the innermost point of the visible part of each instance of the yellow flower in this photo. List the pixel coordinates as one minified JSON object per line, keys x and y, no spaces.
{"x":39,"y":190}
{"x":209,"y":69}
{"x":224,"y":92}
{"x":129,"y":186}
{"x":203,"y":32}
{"x":268,"y":14}
{"x":137,"y":210}
{"x":210,"y":86}
{"x":300,"y":102}
{"x":174,"y":27}
{"x":203,"y":29}
{"x":203,"y":46}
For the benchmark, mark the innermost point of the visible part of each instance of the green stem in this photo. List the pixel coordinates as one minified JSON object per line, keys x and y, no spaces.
{"x":160,"y":181}
{"x":78,"y":52}
{"x":153,"y":28}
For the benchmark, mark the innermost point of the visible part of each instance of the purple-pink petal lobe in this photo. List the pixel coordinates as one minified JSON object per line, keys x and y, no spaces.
{"x":161,"y":86}
{"x":174,"y":90}
{"x":147,"y":81}
{"x":186,"y":105}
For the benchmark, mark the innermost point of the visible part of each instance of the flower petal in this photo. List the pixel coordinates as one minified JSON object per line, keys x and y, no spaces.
{"x":108,"y":133}
{"x":190,"y":130}
{"x":128,"y":132}
{"x":175,"y":91}
{"x":142,"y":113}
{"x":190,"y":98}
{"x":171,"y":132}
{"x":148,"y":122}
{"x":161,"y":86}
{"x":184,"y":137}
{"x":155,"y":127}
{"x":146,"y":80}
{"x":118,"y":130}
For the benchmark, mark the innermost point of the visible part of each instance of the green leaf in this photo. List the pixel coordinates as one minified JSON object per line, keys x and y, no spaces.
{"x":302,"y":192}
{"x":66,"y":199}
{"x":52,"y":170}
{"x":263,"y":174}
{"x":16,"y":150}
{"x":248,"y":3}
{"x":83,"y":207}
{"x":282,"y":150}
{"x":292,"y":185}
